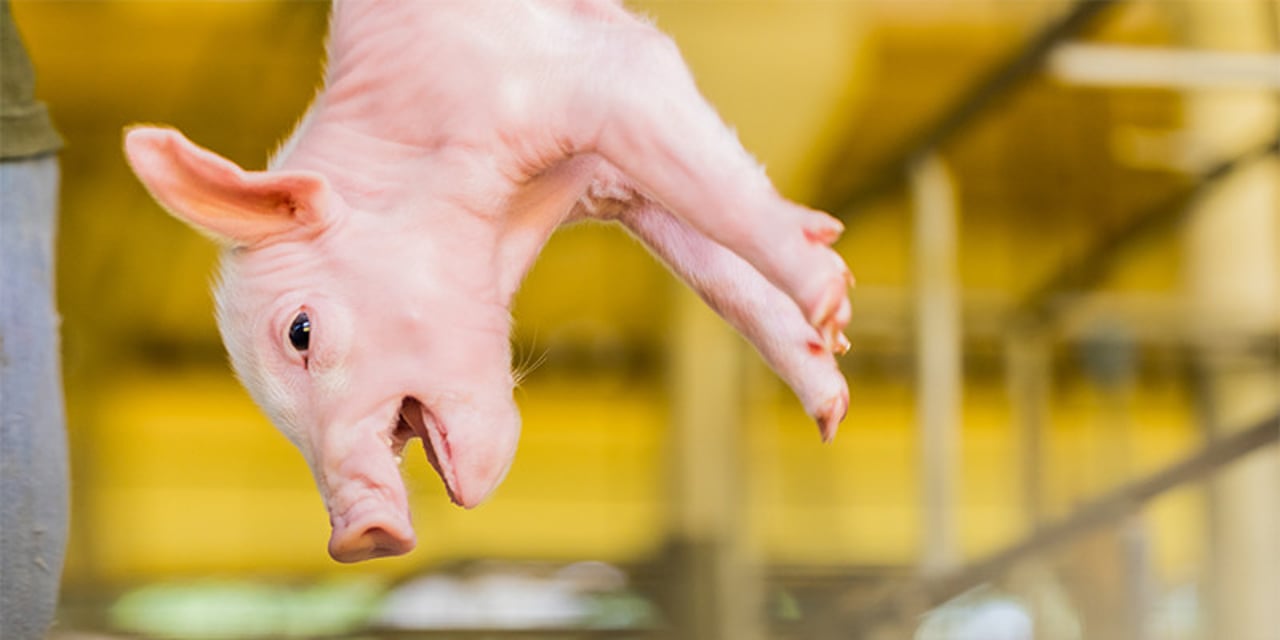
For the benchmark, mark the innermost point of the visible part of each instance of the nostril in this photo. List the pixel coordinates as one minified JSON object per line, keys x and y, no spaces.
{"x":383,"y":542}
{"x":372,"y":542}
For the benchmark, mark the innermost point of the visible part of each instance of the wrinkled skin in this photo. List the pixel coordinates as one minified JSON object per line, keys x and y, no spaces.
{"x":449,"y":141}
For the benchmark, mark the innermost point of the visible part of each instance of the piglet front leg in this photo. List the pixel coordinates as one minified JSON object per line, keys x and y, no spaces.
{"x":756,"y":308}
{"x":670,"y":143}
{"x":761,"y":312}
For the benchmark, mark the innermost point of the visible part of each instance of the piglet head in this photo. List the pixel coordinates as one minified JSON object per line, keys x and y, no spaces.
{"x":356,"y":331}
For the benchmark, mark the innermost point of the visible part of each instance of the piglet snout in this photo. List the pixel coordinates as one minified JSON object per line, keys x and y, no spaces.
{"x":365,"y":495}
{"x":368,"y":534}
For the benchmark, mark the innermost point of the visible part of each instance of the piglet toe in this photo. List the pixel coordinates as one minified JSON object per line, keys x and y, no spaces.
{"x":832,"y":311}
{"x":822,"y":228}
{"x":831,"y":414}
{"x":842,"y":344}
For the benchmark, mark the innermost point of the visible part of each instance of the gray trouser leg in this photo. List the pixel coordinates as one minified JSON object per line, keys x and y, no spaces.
{"x":33,"y":444}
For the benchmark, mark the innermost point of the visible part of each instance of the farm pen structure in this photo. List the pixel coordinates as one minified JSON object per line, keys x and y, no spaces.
{"x":1064,"y":219}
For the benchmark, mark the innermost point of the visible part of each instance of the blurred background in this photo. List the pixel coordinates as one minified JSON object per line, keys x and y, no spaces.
{"x":1064,"y":219}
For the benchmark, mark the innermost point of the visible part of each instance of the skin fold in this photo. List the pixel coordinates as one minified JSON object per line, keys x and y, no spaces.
{"x":449,"y":141}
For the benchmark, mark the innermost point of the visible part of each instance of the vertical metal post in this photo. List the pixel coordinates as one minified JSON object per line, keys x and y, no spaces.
{"x":1028,"y":381}
{"x":938,"y":365}
{"x":1135,"y":552}
{"x":1027,"y":377}
{"x":1234,"y":285}
{"x":715,"y":593}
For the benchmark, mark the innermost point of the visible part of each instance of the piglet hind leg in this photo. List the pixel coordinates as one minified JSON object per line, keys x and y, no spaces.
{"x":666,"y":138}
{"x":754,"y":306}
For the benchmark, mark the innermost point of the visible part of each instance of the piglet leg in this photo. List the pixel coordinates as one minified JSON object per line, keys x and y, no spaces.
{"x":664,"y":136}
{"x":754,"y":306}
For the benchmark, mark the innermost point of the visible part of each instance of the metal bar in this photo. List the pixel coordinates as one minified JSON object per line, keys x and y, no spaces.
{"x":1100,"y":65}
{"x":927,"y":593}
{"x":844,"y":194}
{"x":1089,"y":269}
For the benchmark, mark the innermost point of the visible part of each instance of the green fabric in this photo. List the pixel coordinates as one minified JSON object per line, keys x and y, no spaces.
{"x":25,"y":128}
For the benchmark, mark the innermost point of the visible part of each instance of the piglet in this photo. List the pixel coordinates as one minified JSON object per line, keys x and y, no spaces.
{"x":367,"y":274}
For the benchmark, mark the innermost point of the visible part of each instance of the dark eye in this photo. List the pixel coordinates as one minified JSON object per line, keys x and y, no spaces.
{"x":300,"y":332}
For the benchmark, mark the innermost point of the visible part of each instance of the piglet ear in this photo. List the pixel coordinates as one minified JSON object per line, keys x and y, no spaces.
{"x":235,"y":207}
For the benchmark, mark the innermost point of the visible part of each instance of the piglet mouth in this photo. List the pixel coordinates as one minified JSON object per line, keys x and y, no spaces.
{"x":414,"y":420}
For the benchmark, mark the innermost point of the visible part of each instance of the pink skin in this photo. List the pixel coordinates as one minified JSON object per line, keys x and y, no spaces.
{"x":450,"y":140}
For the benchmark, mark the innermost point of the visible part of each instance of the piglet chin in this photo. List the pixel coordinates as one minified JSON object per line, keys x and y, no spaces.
{"x":471,"y":470}
{"x":422,"y":424}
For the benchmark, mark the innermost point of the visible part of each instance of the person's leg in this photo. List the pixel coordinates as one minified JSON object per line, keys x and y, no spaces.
{"x":33,"y":445}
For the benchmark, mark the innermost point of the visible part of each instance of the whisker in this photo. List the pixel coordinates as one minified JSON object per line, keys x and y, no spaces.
{"x":529,"y":367}
{"x":528,"y":362}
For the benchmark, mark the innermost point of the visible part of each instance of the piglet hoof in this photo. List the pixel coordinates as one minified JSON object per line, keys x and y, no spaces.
{"x":842,"y":344}
{"x":830,"y":416}
{"x":823,"y":229}
{"x":832,"y":312}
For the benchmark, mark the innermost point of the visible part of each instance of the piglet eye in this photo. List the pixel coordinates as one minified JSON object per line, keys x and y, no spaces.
{"x":300,"y":332}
